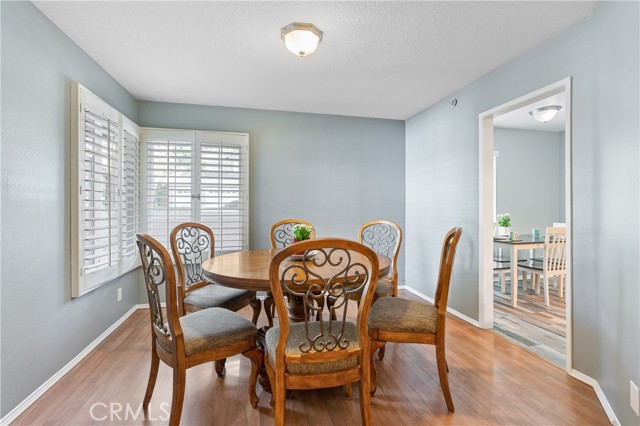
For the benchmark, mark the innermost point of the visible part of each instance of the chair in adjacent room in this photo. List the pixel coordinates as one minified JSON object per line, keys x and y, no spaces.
{"x":325,"y":350}
{"x":393,"y":319}
{"x":193,"y":243}
{"x":183,"y":342}
{"x":502,"y":268}
{"x":553,"y":264}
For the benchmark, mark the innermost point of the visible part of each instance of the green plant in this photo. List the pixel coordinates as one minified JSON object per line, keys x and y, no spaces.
{"x":504,"y":220}
{"x":302,"y":232}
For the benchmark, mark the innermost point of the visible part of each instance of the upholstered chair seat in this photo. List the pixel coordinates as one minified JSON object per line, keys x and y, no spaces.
{"x":217,"y":296}
{"x":214,"y":328}
{"x":384,"y":288}
{"x":297,"y":336}
{"x":403,"y":316}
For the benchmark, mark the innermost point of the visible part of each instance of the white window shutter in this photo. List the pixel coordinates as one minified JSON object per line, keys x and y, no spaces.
{"x":98,"y":175}
{"x":197,"y":176}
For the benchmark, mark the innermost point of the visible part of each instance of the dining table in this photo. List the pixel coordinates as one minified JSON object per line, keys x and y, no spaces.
{"x":522,"y":242}
{"x":249,"y":270}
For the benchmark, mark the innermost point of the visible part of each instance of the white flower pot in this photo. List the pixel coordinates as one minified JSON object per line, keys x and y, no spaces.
{"x":504,"y":231}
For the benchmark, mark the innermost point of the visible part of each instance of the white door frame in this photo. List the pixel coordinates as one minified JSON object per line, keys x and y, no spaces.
{"x":487,"y":195}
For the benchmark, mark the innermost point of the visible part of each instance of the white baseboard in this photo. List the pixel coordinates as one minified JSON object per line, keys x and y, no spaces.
{"x":20,"y":408}
{"x":430,"y":299}
{"x":599,"y":393}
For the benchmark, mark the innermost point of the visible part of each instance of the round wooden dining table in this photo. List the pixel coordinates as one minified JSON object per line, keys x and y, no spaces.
{"x":249,"y":270}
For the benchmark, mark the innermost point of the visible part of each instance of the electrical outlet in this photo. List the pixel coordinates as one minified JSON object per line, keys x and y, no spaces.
{"x":119,"y":294}
{"x":634,"y":397}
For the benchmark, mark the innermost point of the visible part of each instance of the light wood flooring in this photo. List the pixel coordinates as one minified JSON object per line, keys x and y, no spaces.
{"x":533,"y":325}
{"x":493,"y":382}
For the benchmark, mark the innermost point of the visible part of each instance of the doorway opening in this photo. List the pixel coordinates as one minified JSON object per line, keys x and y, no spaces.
{"x":525,"y":170}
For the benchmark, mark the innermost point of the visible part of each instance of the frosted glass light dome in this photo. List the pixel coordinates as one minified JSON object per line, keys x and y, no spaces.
{"x":545,"y":114}
{"x":301,"y":39}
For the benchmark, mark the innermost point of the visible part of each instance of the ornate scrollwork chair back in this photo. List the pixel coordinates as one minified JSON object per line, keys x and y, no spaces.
{"x":281,"y":233}
{"x":192,"y":244}
{"x":158,"y":272}
{"x":385,"y":238}
{"x":186,"y":341}
{"x":326,"y":349}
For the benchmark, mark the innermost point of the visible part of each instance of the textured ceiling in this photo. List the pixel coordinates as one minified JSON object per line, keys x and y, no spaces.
{"x":377,"y":59}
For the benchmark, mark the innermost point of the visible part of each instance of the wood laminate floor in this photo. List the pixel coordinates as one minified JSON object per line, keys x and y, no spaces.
{"x":533,"y":325}
{"x":493,"y":382}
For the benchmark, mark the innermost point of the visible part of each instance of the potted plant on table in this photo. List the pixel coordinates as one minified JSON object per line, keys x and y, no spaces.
{"x":301,"y":232}
{"x":504,"y":224}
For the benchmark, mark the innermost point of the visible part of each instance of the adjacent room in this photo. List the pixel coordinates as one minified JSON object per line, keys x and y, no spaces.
{"x":269,"y":213}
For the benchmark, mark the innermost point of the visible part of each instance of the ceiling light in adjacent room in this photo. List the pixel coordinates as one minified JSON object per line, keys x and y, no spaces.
{"x":301,"y":39}
{"x":545,"y":114}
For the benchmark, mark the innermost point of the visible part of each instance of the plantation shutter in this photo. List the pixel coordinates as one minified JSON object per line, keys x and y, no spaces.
{"x":223,"y":194}
{"x":130,"y":207}
{"x":201,"y":177}
{"x":170,"y":180}
{"x":104,"y":193}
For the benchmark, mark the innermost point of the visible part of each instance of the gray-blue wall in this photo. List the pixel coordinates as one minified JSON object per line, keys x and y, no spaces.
{"x":335,"y":172}
{"x":528,"y":179}
{"x":602,"y":55}
{"x":42,"y":328}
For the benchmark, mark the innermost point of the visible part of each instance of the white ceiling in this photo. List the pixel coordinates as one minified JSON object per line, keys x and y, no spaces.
{"x":522,"y":120}
{"x":377,"y":59}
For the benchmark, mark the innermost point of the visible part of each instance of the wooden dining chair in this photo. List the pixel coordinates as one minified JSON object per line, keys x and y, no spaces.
{"x":329,"y":351}
{"x":553,"y":264}
{"x":385,"y":238}
{"x":281,"y":235}
{"x":192,"y":244}
{"x":393,"y":319}
{"x":183,"y":342}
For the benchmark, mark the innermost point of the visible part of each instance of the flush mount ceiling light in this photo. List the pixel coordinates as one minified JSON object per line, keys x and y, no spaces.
{"x":545,"y":114}
{"x":300,"y":38}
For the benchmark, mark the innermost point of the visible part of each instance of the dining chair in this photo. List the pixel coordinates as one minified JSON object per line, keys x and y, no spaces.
{"x":385,"y":238}
{"x":191,"y":244}
{"x":393,"y":319}
{"x":183,"y":342}
{"x":502,"y":268}
{"x":325,"y":350}
{"x":281,"y":235}
{"x":553,"y":263}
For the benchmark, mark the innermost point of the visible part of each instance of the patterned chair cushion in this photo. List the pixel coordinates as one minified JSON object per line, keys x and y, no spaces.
{"x":402,"y":315}
{"x":297,"y":336}
{"x":214,"y":328}
{"x":384,"y":288}
{"x":217,"y":296}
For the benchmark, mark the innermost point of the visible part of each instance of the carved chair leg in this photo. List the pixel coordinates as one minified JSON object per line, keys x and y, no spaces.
{"x":280,"y":394}
{"x":256,"y":356}
{"x":365,"y":401}
{"x":269,"y":308}
{"x":179,"y":379}
{"x":348,"y":391}
{"x":220,"y":370}
{"x":381,"y":351}
{"x":444,"y":377}
{"x":375,"y":345}
{"x":256,"y":305}
{"x":153,"y":374}
{"x":272,"y":380}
